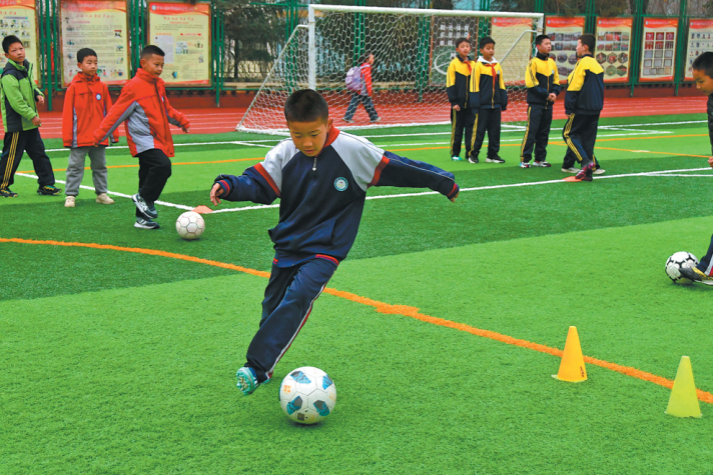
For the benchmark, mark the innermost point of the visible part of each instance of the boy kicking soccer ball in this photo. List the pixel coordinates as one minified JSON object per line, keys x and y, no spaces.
{"x":703,"y":75}
{"x":321,"y":176}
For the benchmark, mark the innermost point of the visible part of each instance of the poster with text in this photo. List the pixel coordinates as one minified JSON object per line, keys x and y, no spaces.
{"x":102,"y":26}
{"x":446,"y":30}
{"x":658,"y":55}
{"x":564,"y":33}
{"x":182,"y":31}
{"x":515,"y":35}
{"x":700,"y":40}
{"x":19,"y":18}
{"x":613,"y":51}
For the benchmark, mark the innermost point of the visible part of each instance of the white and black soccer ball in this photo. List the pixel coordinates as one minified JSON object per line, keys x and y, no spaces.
{"x":675,"y":262}
{"x":190,"y":225}
{"x":307,"y":395}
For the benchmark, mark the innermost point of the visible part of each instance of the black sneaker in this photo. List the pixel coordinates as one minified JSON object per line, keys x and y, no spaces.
{"x":48,"y":190}
{"x":142,"y":223}
{"x":144,"y":207}
{"x":7,"y":193}
{"x":585,"y":174}
{"x":473,"y":160}
{"x":494,"y":159}
{"x":696,"y":275}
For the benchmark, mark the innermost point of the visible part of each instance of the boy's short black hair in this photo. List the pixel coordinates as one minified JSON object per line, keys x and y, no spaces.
{"x":84,"y":52}
{"x":589,"y":40}
{"x":485,"y":41}
{"x":306,"y":105}
{"x":9,"y":41}
{"x":704,"y":63}
{"x":462,"y":39}
{"x":150,"y":50}
{"x":540,"y":38}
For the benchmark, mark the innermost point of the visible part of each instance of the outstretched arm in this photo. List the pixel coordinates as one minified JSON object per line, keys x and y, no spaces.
{"x":253,"y":185}
{"x":394,"y":170}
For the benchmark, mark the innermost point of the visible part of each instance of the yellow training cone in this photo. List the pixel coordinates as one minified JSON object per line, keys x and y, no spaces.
{"x":572,"y":366}
{"x":683,"y":401}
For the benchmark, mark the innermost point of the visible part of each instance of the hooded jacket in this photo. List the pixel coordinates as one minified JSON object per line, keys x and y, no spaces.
{"x":18,"y":94}
{"x":144,"y":106}
{"x":86,"y":103}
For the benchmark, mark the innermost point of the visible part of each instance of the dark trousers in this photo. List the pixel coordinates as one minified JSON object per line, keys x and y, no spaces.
{"x":537,"y":134}
{"x":17,"y":143}
{"x":289,"y":297}
{"x":154,"y":170}
{"x":580,"y":135}
{"x":705,"y":264}
{"x":487,"y":120}
{"x":462,"y":120}
{"x":354,"y":103}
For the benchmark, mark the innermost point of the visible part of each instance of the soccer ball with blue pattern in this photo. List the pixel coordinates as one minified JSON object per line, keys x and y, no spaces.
{"x":307,"y":395}
{"x":675,"y":262}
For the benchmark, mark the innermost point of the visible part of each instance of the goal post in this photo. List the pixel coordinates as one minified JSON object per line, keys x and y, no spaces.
{"x":412,"y":49}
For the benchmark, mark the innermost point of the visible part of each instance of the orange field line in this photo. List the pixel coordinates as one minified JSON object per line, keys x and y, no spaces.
{"x":385,"y":308}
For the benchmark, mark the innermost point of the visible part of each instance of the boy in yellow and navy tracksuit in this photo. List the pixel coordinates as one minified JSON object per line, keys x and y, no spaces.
{"x":583,"y":103}
{"x":493,"y":101}
{"x":543,"y":87}
{"x":463,"y":114}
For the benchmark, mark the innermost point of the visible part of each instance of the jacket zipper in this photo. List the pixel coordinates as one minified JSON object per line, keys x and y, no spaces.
{"x":314,"y":167}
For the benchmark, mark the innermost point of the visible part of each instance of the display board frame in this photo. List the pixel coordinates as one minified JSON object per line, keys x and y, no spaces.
{"x":71,"y":61}
{"x":694,"y":46}
{"x":207,"y":55}
{"x":35,"y":59}
{"x":614,"y":51}
{"x":652,"y":42}
{"x":564,"y":43}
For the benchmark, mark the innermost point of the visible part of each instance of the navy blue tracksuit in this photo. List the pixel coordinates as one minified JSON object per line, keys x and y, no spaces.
{"x":541,"y":79}
{"x":706,"y":263}
{"x":321,"y":203}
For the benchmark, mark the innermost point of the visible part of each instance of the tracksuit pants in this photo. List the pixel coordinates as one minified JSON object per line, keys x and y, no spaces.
{"x":462,"y":120}
{"x":705,"y":265}
{"x":75,"y":169}
{"x":488,"y":120}
{"x":289,"y":297}
{"x":580,"y":135}
{"x":154,"y":170}
{"x":368,"y":105}
{"x":17,"y":143}
{"x":570,"y":159}
{"x":537,"y":134}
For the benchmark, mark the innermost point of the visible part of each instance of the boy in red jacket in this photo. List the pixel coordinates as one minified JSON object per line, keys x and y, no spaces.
{"x":85,"y":105}
{"x":144,"y":106}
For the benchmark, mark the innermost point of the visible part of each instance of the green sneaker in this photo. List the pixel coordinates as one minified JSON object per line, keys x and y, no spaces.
{"x":7,"y":193}
{"x":456,"y":158}
{"x":247,"y":380}
{"x":49,"y":190}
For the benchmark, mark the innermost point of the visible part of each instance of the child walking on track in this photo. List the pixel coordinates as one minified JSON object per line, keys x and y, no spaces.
{"x":144,"y":106}
{"x":320,"y":175}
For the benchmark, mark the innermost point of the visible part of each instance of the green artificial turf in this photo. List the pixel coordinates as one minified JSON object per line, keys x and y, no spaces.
{"x":115,"y":362}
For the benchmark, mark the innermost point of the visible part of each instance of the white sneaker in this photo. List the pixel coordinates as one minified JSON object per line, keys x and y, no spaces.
{"x":599,"y":171}
{"x":69,"y":202}
{"x":104,"y":199}
{"x":570,"y":170}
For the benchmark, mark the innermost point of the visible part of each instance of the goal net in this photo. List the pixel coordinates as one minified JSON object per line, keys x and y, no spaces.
{"x":412,"y":49}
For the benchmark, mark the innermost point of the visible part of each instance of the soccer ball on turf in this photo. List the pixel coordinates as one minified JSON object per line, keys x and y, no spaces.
{"x":307,"y":395}
{"x":675,"y":262}
{"x":190,"y":225}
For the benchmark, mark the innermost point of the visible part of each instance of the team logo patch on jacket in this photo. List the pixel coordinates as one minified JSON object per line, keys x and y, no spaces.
{"x":341,"y":184}
{"x":99,"y":97}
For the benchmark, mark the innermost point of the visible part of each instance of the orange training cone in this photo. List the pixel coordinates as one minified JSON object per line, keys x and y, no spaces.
{"x":572,"y":366}
{"x":683,"y":401}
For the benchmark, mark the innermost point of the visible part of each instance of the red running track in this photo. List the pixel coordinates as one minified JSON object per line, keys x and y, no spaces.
{"x":213,"y":121}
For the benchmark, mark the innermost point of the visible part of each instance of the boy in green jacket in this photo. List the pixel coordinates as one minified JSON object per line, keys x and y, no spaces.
{"x":18,"y":95}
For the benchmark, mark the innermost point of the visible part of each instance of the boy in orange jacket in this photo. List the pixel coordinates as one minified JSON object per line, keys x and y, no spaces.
{"x":85,"y":105}
{"x":144,"y":106}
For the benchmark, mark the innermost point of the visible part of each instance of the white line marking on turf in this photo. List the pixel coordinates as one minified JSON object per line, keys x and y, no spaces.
{"x":114,"y":193}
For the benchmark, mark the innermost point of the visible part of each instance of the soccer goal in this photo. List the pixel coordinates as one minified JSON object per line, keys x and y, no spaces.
{"x":412,"y":49}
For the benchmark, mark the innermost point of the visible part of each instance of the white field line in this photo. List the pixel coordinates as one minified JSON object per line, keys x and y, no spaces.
{"x":423,"y":193}
{"x":113,"y":193}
